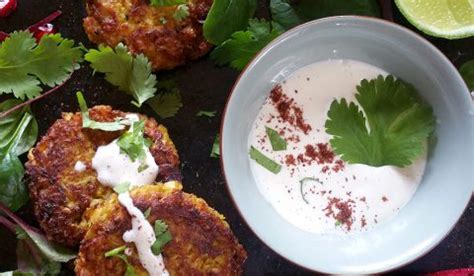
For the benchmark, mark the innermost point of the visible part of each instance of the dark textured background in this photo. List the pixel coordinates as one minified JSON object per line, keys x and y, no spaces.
{"x":206,"y":87}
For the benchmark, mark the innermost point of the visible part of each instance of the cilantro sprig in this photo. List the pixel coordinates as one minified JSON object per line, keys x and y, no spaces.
{"x":163,"y":236}
{"x":399,"y":123}
{"x":133,"y":143}
{"x":131,"y":74}
{"x":25,"y":65}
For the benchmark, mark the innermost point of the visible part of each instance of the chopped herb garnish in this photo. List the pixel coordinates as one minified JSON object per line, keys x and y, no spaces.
{"x":163,"y":236}
{"x":115,"y":251}
{"x":122,"y":187}
{"x":264,"y":161}
{"x":163,"y":20}
{"x":203,"y":113}
{"x":142,"y":167}
{"x":133,"y":143}
{"x":215,"y":151}
{"x":278,"y":143}
{"x":167,"y":3}
{"x":87,"y":122}
{"x":302,"y":182}
{"x":399,"y":123}
{"x":182,"y":11}
{"x":338,"y":223}
{"x":147,"y":212}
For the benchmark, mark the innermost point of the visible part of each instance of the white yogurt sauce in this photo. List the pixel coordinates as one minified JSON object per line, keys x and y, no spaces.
{"x":143,"y":235}
{"x":114,"y":168}
{"x":373,"y":194}
{"x":80,"y":166}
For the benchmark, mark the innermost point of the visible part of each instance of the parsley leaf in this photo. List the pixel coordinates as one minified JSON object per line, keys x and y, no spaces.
{"x":132,"y":75}
{"x":264,"y":161}
{"x":289,"y":15}
{"x":166,"y":104}
{"x":399,"y":124}
{"x":163,"y":236}
{"x":244,"y":45}
{"x":467,"y":72}
{"x":25,"y":64}
{"x":87,"y":122}
{"x":133,"y":142}
{"x":167,"y":3}
{"x":226,"y":17}
{"x":215,"y":151}
{"x":182,"y":11}
{"x":278,"y":143}
{"x":204,"y":113}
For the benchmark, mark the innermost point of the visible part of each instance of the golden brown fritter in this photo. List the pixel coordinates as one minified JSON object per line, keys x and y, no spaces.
{"x":59,"y":193}
{"x":150,"y":30}
{"x":202,"y":242}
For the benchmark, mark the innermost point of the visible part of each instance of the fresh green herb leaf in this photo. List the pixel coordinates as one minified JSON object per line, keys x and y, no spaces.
{"x":163,"y":236}
{"x":226,"y":17}
{"x":467,"y":72}
{"x":133,"y":143}
{"x":399,"y":122}
{"x":289,"y":15}
{"x":182,"y":11}
{"x":163,"y":20}
{"x":215,"y":151}
{"x":238,"y":50}
{"x":132,"y":75}
{"x":204,"y":113}
{"x":25,"y":64}
{"x":264,"y":161}
{"x":115,"y":251}
{"x":142,"y":167}
{"x":9,"y":123}
{"x":278,"y":143}
{"x":302,"y":184}
{"x":147,"y":212}
{"x":167,"y":3}
{"x":122,"y":187}
{"x":167,"y":103}
{"x":338,"y":223}
{"x":87,"y":122}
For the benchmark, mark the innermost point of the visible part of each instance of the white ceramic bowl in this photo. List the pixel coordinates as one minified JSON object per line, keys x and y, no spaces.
{"x":448,"y":181}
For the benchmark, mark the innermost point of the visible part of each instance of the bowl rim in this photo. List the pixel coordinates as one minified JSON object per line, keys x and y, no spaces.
{"x":276,"y":41}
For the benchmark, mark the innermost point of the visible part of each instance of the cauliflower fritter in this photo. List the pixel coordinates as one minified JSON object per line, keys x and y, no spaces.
{"x":202,"y":242}
{"x":61,"y":194}
{"x":151,"y":30}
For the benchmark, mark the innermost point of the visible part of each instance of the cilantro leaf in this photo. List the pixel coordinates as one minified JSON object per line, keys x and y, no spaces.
{"x":399,"y":124}
{"x":264,"y":161}
{"x":122,"y":188}
{"x":244,"y":45}
{"x":163,"y":236}
{"x":132,"y":75}
{"x":87,"y":122}
{"x":25,"y":65}
{"x":226,"y":17}
{"x":215,"y":151}
{"x":278,"y":143}
{"x":182,"y":11}
{"x":133,"y":142}
{"x":467,"y":73}
{"x":204,"y":113}
{"x":167,"y":103}
{"x":167,"y":3}
{"x":289,"y":15}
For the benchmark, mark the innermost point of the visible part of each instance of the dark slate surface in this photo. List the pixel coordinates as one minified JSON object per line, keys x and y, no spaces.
{"x":206,"y":87}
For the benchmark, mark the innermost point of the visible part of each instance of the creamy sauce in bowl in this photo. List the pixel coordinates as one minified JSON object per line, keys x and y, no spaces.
{"x":315,"y":190}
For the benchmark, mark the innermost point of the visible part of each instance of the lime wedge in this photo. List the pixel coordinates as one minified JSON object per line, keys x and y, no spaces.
{"x":449,"y":19}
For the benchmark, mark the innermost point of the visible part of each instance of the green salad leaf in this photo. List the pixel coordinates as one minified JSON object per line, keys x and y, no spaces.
{"x":132,"y":75}
{"x":289,"y":15}
{"x":467,"y":72}
{"x":226,"y":17}
{"x":277,"y":142}
{"x":25,"y":64}
{"x":238,"y":50}
{"x":163,"y":236}
{"x":399,"y":124}
{"x":264,"y":161}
